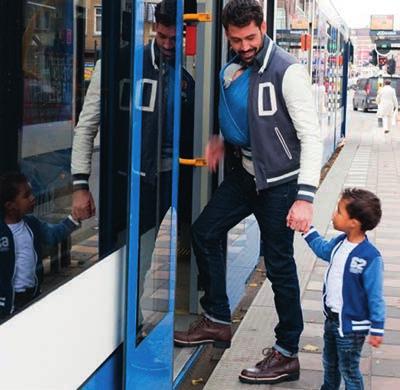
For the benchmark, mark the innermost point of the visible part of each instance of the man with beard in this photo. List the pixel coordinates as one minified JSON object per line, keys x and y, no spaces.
{"x":266,"y":111}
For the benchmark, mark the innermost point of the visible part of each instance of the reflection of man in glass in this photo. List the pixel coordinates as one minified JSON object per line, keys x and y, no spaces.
{"x":157,"y":106}
{"x":158,"y":60}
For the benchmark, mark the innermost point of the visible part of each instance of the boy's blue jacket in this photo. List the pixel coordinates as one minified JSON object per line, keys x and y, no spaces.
{"x":42,"y":234}
{"x":363,"y":307}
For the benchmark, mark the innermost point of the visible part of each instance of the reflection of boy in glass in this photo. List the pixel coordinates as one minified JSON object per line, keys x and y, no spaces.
{"x":21,"y":238}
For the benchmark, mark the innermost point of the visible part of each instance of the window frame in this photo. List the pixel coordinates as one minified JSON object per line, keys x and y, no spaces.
{"x":96,"y":32}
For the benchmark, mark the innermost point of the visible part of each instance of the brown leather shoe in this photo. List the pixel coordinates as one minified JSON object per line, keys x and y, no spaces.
{"x":204,"y":331}
{"x":274,"y":368}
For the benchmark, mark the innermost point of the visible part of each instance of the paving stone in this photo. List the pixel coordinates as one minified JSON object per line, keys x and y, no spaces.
{"x":391,"y":274}
{"x":387,"y":351}
{"x":313,"y":330}
{"x":392,"y":268}
{"x":385,"y":383}
{"x":392,"y":336}
{"x":393,"y":312}
{"x":391,"y":282}
{"x":313,"y":316}
{"x":310,"y":361}
{"x":392,"y":291}
{"x":392,"y":301}
{"x":308,"y":304}
{"x":316,"y":286}
{"x":312,"y":295}
{"x":385,"y":367}
{"x":392,"y":324}
{"x":309,"y":379}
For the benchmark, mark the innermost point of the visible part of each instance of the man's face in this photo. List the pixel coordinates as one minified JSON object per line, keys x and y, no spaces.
{"x":165,"y":39}
{"x":246,"y":41}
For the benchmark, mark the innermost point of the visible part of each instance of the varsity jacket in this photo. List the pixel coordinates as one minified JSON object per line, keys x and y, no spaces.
{"x":283,"y":123}
{"x":363,"y":307}
{"x":42,"y":234}
{"x":153,"y":87}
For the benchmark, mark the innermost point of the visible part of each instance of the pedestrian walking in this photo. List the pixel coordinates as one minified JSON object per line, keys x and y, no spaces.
{"x":353,"y":292}
{"x":387,"y":105}
{"x":267,"y":113}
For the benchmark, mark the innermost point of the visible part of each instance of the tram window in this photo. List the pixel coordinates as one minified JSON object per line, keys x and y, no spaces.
{"x":156,"y":164}
{"x":59,"y":54}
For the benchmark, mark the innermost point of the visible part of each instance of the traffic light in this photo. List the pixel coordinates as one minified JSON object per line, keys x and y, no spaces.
{"x":382,"y":60}
{"x":391,"y":66}
{"x":373,"y":57}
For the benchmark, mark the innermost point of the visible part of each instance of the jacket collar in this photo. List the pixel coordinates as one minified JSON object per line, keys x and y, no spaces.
{"x":262,"y":58}
{"x":156,"y":56}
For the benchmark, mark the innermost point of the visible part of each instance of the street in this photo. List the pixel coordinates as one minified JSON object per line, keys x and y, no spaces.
{"x":369,"y":159}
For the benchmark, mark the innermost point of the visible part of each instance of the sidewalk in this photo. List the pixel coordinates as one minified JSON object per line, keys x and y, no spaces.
{"x":371,"y":160}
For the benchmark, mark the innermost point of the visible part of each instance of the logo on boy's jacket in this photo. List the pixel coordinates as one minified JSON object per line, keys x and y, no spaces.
{"x":4,"y":244}
{"x":357,"y":265}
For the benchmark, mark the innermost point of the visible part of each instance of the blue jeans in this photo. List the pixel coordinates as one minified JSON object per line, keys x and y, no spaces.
{"x":235,"y":199}
{"x":341,"y":358}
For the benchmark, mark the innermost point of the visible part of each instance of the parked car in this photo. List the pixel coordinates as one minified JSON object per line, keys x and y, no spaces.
{"x":367,"y":90}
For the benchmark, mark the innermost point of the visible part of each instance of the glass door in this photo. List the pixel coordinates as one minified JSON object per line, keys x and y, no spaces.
{"x":155,"y":118}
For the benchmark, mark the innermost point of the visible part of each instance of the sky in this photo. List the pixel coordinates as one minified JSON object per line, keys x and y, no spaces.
{"x":357,"y":13}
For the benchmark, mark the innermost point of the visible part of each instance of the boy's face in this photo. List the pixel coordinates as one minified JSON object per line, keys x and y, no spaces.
{"x":24,"y":202}
{"x":341,"y":218}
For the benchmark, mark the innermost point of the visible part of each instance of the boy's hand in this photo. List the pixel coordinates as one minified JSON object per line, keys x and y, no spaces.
{"x":375,"y":341}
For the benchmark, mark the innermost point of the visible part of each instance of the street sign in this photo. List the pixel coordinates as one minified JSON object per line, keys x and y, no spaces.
{"x":384,"y":47}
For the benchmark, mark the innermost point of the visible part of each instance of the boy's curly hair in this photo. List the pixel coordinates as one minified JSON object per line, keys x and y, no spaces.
{"x":364,"y":206}
{"x":9,"y":187}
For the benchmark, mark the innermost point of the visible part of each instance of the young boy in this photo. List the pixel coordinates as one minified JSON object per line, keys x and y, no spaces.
{"x":21,"y":237}
{"x":352,"y":294}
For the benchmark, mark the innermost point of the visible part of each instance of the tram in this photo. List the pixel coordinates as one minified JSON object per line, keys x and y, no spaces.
{"x":115,"y":291}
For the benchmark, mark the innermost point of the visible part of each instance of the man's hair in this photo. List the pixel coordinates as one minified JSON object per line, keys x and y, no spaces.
{"x":364,"y":206}
{"x":241,"y":13}
{"x":9,"y":187}
{"x":165,"y":13}
{"x":387,"y":82}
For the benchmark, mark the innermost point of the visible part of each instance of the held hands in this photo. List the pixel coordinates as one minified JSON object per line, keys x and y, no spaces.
{"x":214,"y":152}
{"x":83,"y":206}
{"x":300,"y":216}
{"x":375,"y":341}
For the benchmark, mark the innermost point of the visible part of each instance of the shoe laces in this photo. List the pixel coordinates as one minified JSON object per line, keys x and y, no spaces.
{"x":199,"y":323}
{"x":270,"y":354}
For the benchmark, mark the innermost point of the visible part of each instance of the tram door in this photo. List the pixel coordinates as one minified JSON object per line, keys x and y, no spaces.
{"x":155,"y":126}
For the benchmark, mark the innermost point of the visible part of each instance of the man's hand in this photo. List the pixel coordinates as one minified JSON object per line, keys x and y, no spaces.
{"x":83,"y":206}
{"x":214,"y":152}
{"x":300,"y":216}
{"x":375,"y":341}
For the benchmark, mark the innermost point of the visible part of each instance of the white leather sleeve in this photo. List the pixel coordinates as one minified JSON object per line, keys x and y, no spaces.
{"x":296,"y":89}
{"x":88,"y":125}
